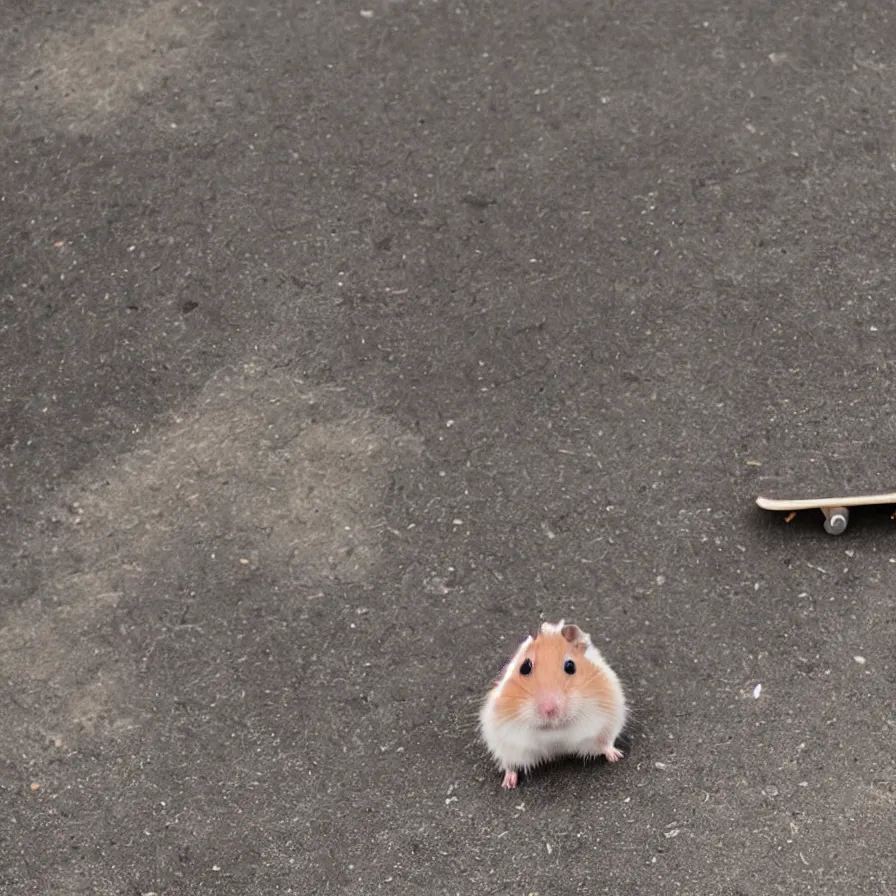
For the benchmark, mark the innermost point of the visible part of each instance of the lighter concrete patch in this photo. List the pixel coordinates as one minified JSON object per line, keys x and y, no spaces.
{"x":260,"y":474}
{"x":82,"y":77}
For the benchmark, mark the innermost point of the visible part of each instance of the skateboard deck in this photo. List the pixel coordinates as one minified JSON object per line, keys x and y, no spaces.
{"x":836,"y":510}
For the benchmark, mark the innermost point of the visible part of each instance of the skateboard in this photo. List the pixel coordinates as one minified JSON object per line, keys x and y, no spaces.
{"x":835,"y":510}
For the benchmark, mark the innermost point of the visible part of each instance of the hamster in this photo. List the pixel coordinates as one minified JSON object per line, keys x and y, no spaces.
{"x":556,"y":697}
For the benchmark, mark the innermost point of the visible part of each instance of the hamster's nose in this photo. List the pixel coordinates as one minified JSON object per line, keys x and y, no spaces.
{"x":549,"y":706}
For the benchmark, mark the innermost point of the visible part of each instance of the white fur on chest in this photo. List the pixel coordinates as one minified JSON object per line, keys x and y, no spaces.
{"x":516,"y":744}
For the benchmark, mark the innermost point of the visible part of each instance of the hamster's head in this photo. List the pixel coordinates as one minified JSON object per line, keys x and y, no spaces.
{"x":550,"y":683}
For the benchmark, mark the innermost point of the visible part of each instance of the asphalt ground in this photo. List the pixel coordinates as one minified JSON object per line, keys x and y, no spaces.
{"x":342,"y":343}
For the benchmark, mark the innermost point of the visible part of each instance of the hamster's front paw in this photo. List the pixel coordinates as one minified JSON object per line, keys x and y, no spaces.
{"x":511,"y":780}
{"x":612,"y":754}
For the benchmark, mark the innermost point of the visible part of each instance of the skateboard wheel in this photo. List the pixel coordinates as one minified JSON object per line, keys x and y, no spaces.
{"x":837,"y":519}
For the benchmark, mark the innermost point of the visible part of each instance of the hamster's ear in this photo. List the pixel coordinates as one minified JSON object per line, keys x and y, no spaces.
{"x":573,"y":634}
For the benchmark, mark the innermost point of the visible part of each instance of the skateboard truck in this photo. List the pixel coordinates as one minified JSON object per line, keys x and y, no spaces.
{"x":836,"y":519}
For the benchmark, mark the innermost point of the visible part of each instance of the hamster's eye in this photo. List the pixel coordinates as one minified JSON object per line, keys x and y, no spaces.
{"x":569,"y":667}
{"x":526,"y":668}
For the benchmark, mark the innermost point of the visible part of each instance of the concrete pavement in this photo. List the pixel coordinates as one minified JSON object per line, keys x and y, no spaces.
{"x":340,"y":344}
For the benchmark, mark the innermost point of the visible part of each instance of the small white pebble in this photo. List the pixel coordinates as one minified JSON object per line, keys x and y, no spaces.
{"x":757,"y":691}
{"x":659,"y":765}
{"x":366,"y":13}
{"x":860,"y":660}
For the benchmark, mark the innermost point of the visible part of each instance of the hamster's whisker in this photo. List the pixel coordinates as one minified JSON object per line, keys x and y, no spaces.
{"x":589,"y":678}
